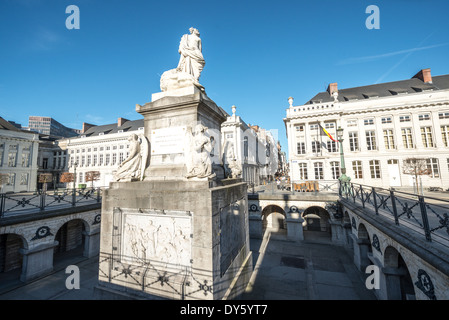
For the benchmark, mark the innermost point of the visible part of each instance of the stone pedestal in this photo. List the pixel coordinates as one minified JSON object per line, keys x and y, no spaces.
{"x":170,"y":236}
{"x":91,"y":243}
{"x":361,"y":250}
{"x":294,"y":227}
{"x":37,"y":261}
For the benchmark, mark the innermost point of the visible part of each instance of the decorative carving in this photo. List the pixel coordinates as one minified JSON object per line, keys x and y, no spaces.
{"x":376,"y":243}
{"x":253,"y":208}
{"x":353,"y":224}
{"x":232,"y":167}
{"x":97,"y":219}
{"x":425,"y":284}
{"x":42,"y":232}
{"x":133,"y":167}
{"x":198,"y":159}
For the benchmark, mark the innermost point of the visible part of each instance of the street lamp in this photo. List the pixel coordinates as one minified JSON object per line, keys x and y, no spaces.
{"x":344,"y":179}
{"x":74,"y":174}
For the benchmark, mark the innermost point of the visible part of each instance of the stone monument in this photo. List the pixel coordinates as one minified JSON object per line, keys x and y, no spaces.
{"x":173,"y":226}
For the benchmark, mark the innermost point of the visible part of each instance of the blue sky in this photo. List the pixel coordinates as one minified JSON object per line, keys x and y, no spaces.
{"x":258,"y":53}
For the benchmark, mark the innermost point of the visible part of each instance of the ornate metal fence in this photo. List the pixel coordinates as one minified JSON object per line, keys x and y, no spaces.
{"x":427,"y":215}
{"x":40,"y":201}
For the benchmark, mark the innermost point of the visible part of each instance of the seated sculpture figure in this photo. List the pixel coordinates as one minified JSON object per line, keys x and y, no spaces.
{"x":134,"y":165}
{"x":198,"y":160}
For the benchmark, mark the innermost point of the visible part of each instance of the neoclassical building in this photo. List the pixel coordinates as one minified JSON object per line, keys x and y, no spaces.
{"x":383,"y":125}
{"x":254,"y":148}
{"x":18,"y":158}
{"x":99,"y":149}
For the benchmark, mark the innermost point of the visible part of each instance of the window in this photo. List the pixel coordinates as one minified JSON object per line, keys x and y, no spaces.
{"x":95,"y":160}
{"x":100,"y":163}
{"x":329,"y":125}
{"x":331,"y":146}
{"x":88,"y":160}
{"x":386,"y":120}
{"x":426,"y":136}
{"x":80,"y":177}
{"x":299,"y":128}
{"x":301,"y":148}
{"x":357,"y":168}
{"x":107,"y":159}
{"x":407,"y":138}
{"x":120,"y":157}
{"x":25,"y":159}
{"x":445,"y":134}
{"x":313,"y":127}
{"x":335,"y":169}
{"x":389,"y":139}
{"x":432,"y":165}
{"x":245,"y":148}
{"x":353,"y":141}
{"x":351,"y":123}
{"x":370,"y":140}
{"x":318,"y":168}
{"x":303,"y":171}
{"x":443,"y":115}
{"x":82,"y":161}
{"x":114,"y":158}
{"x":316,"y":147}
{"x":11,"y":179}
{"x":374,"y":166}
{"x":423,"y":117}
{"x":45,"y":163}
{"x":368,"y":122}
{"x":404,"y":118}
{"x":24,"y":179}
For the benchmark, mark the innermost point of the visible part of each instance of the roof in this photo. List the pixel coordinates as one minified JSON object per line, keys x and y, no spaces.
{"x":386,"y":89}
{"x":5,"y":125}
{"x":131,"y":125}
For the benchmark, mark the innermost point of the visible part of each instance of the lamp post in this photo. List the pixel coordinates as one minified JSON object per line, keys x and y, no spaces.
{"x":74,"y":174}
{"x":344,"y":179}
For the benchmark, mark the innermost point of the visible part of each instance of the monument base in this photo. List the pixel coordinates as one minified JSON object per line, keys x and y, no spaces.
{"x":175,"y":239}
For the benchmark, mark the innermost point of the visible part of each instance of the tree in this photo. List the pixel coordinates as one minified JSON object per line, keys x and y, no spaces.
{"x":4,"y":177}
{"x":67,"y":177}
{"x":92,"y":176}
{"x":416,"y":167}
{"x":45,"y":178}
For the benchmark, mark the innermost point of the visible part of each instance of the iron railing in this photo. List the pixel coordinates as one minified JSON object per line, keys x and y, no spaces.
{"x":429,"y":216}
{"x":41,"y":201}
{"x":295,"y":187}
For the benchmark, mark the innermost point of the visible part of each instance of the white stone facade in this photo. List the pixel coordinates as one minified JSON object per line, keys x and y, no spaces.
{"x":254,"y":147}
{"x":18,"y":160}
{"x":380,"y":132}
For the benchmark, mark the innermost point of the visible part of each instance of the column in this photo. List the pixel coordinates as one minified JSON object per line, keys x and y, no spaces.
{"x":37,"y":261}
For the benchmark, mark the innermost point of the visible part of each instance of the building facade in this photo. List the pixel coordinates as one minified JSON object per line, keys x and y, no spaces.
{"x":384,"y":126}
{"x":99,"y":149}
{"x":18,"y":158}
{"x":254,"y":148}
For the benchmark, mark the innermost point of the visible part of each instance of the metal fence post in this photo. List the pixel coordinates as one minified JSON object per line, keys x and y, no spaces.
{"x":425,"y":220}
{"x":73,"y":197}
{"x":361,"y":196}
{"x":98,"y":194}
{"x":42,"y":200}
{"x":395,"y":210}
{"x":375,"y":200}
{"x":2,"y":204}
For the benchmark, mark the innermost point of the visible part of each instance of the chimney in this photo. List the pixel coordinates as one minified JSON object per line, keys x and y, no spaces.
{"x":86,"y":126}
{"x":121,"y":121}
{"x":424,"y":75}
{"x":332,"y":88}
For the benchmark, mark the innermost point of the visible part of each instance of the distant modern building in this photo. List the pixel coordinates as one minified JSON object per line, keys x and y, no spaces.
{"x":50,"y":126}
{"x":384,"y":124}
{"x":18,"y":158}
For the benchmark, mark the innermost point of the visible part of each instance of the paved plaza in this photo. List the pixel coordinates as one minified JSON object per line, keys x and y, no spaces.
{"x":313,"y":269}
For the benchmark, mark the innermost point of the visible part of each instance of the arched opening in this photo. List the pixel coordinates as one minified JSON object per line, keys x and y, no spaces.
{"x":273,"y":219}
{"x":399,"y":283}
{"x":363,"y":249}
{"x":71,"y":241}
{"x":10,"y":258}
{"x":316,"y":223}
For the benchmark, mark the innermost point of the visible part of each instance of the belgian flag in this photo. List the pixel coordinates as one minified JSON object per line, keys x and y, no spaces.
{"x":325,"y":133}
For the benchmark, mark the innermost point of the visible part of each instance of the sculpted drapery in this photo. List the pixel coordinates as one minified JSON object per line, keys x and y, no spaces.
{"x":190,"y":49}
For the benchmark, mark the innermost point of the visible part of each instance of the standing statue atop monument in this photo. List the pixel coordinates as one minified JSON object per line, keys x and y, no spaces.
{"x":191,"y":60}
{"x":191,"y":63}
